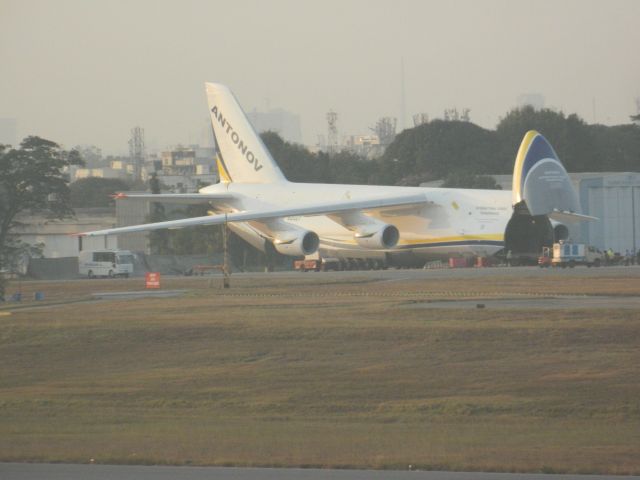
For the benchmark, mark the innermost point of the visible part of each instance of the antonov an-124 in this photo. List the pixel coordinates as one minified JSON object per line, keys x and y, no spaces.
{"x":389,"y":225}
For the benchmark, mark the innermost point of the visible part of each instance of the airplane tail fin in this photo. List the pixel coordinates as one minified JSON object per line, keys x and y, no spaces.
{"x":242,"y":157}
{"x":540,"y":179}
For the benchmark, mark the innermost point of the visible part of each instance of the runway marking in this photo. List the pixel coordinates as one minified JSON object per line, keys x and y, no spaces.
{"x":405,"y":294}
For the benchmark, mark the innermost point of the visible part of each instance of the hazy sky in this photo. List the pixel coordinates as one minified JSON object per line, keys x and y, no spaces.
{"x":85,"y":72}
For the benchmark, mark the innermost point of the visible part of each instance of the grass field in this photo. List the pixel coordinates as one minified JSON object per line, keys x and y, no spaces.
{"x":323,"y":371}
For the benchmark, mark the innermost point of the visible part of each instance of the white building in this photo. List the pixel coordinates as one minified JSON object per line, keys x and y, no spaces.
{"x":56,"y":235}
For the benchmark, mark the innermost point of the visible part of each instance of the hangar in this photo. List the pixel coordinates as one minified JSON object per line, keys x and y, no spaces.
{"x":615,"y":199}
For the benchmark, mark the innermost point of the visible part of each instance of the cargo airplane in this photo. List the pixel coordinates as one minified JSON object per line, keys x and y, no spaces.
{"x":386,"y":224}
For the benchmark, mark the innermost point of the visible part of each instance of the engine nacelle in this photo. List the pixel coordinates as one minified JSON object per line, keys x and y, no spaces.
{"x":297,"y":243}
{"x":385,"y":237}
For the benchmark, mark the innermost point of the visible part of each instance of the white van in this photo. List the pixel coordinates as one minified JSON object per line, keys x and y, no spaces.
{"x":105,"y":263}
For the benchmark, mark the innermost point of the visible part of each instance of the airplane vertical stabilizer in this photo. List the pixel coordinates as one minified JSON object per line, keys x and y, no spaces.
{"x":540,"y":179}
{"x":242,"y":157}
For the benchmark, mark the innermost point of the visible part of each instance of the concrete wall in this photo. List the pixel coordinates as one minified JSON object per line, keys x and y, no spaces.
{"x":615,"y":200}
{"x":53,"y":268}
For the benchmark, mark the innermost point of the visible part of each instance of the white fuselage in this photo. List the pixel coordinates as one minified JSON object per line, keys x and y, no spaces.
{"x":451,"y":222}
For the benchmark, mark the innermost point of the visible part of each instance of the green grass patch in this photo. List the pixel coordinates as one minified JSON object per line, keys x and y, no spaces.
{"x":215,"y":379}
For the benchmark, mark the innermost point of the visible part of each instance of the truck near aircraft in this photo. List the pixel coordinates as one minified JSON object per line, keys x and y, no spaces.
{"x":568,"y":254}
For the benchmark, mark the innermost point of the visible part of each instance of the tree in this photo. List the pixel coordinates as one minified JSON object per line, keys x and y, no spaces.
{"x":432,"y":150}
{"x":158,"y":239}
{"x":570,"y":136}
{"x":300,"y":165}
{"x":32,"y":181}
{"x":95,"y":191}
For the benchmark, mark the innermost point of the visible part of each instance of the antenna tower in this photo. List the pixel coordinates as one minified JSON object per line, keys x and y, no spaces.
{"x":385,"y":129}
{"x":136,"y":151}
{"x":402,"y":96}
{"x":332,"y":131}
{"x":420,"y":119}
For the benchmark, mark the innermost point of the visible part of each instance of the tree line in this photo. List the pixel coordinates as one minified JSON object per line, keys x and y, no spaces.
{"x":461,"y":153}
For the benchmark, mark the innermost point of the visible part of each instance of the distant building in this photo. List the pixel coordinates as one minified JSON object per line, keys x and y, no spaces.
{"x":284,"y":123}
{"x":364,"y":145}
{"x":185,"y":169}
{"x":56,"y":237}
{"x":105,"y":172}
{"x":9,"y":131}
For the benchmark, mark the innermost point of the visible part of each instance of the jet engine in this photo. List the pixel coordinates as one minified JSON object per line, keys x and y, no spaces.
{"x":386,"y":236}
{"x":287,"y":239}
{"x":297,"y":243}
{"x":368,"y":232}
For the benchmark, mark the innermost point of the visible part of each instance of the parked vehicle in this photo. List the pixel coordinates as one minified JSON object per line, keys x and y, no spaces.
{"x":317,"y":264}
{"x":105,"y":263}
{"x":566,"y":254}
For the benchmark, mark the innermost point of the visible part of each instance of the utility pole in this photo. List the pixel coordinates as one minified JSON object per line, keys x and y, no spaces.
{"x":402,"y":96}
{"x":332,"y":132}
{"x":226,"y":272}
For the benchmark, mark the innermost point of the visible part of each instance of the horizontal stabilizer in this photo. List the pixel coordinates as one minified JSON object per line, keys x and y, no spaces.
{"x":570,"y":217}
{"x":177,"y":198}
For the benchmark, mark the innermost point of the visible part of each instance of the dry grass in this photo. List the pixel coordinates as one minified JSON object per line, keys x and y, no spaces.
{"x":271,"y":375}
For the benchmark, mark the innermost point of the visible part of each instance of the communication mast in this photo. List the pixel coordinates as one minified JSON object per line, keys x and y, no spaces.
{"x":332,"y":131}
{"x":136,"y":151}
{"x":420,"y":119}
{"x":453,"y":115}
{"x":385,"y":129}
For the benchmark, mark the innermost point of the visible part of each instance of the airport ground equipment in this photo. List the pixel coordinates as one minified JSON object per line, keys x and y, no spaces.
{"x":317,"y":264}
{"x":567,"y":254}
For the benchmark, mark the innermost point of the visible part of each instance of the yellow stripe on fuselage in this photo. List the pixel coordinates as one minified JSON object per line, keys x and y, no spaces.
{"x":520,"y":157}
{"x":421,"y":241}
{"x":460,"y":238}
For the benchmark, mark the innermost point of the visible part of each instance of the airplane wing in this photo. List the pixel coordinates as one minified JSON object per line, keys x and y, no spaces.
{"x":178,"y":198}
{"x":265,"y":211}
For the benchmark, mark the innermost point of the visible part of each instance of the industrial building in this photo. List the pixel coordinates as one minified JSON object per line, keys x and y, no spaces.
{"x":615,"y":199}
{"x":56,"y":237}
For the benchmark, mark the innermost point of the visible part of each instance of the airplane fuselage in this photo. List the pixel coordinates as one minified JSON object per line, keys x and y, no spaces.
{"x":450,"y":222}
